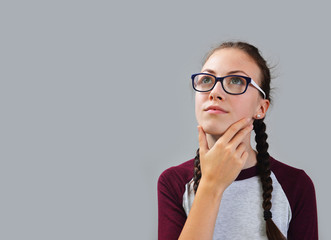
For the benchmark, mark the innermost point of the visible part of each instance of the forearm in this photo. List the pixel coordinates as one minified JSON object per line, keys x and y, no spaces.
{"x":201,"y":220}
{"x":220,"y":165}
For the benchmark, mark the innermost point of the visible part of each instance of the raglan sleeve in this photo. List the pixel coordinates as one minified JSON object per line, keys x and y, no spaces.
{"x":171,"y":214}
{"x":303,"y":225}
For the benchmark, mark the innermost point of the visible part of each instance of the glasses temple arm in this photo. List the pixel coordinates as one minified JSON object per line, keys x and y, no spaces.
{"x":257,"y":86}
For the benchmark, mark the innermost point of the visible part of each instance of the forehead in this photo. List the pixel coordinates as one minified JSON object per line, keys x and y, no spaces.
{"x":228,"y":60}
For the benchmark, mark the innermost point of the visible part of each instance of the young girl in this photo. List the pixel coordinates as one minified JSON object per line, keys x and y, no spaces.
{"x":229,"y":190}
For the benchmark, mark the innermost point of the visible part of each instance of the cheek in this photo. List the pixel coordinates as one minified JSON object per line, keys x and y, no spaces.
{"x":199,"y":100}
{"x":244,"y":109}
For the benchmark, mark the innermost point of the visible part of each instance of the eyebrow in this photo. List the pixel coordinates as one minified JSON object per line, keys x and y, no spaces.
{"x":229,"y":73}
{"x":237,"y":71}
{"x":209,"y":71}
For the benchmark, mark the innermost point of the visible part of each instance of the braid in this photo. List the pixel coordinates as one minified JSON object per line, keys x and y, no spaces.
{"x":263,"y":167}
{"x":197,"y":172}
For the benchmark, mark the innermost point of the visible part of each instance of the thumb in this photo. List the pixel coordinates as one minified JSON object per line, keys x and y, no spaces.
{"x":202,"y":141}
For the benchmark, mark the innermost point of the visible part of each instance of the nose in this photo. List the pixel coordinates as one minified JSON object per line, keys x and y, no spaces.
{"x":217,"y":92}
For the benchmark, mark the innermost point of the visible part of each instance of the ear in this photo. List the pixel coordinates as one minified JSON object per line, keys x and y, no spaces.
{"x":262,"y":109}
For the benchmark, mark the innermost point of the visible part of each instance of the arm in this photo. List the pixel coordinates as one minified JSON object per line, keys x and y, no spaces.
{"x":202,"y":217}
{"x":172,"y":216}
{"x":220,"y":165}
{"x":303,"y":224}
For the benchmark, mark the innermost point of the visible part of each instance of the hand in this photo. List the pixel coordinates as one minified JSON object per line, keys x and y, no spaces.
{"x":221,"y":164}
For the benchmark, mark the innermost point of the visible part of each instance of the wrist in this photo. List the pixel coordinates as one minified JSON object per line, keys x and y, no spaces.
{"x":209,"y":189}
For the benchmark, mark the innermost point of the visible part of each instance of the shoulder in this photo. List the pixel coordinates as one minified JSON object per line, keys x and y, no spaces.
{"x":171,"y":186}
{"x":288,"y":175}
{"x":296,"y":184}
{"x":180,"y":174}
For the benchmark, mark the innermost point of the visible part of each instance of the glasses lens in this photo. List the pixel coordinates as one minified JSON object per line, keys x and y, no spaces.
{"x":203,"y":82}
{"x":235,"y":84}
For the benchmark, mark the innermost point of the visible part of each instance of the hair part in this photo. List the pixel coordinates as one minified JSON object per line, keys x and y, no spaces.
{"x":263,"y":157}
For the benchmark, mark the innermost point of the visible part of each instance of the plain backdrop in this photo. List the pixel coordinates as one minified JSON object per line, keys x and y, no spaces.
{"x":96,"y":102}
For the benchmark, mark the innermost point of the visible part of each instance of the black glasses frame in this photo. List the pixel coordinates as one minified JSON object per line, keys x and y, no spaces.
{"x":220,"y":79}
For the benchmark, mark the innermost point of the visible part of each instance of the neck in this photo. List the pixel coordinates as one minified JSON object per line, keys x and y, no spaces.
{"x":251,"y":160}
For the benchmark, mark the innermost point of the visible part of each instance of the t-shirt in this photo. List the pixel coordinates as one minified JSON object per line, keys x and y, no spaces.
{"x":240,"y":213}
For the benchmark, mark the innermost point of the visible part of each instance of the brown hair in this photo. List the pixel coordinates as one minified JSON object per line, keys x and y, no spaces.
{"x":263,"y":157}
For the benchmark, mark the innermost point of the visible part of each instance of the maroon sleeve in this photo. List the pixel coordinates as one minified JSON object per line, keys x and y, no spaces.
{"x":300,"y":192}
{"x":303,"y":225}
{"x":170,"y":188}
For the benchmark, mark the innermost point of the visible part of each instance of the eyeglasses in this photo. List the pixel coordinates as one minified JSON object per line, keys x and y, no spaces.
{"x":232,"y":84}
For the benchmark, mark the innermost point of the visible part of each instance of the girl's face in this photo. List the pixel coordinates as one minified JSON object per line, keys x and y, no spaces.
{"x":229,"y":61}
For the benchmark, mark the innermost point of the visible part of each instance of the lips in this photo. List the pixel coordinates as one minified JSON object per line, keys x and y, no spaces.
{"x":215,"y":109}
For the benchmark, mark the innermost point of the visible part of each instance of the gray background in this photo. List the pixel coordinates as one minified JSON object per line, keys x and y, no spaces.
{"x":96,"y":102}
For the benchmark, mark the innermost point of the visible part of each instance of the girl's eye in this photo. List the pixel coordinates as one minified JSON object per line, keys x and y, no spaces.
{"x":237,"y":81}
{"x":206,"y":80}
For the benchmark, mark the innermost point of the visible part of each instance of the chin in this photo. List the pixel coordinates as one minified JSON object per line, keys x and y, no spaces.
{"x":214,"y":130}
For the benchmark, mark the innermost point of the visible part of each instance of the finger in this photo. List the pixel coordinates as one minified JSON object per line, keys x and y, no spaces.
{"x":241,"y":149}
{"x":242,"y":153}
{"x":234,"y":129}
{"x":244,"y":157}
{"x":202,"y":140}
{"x":239,"y":137}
